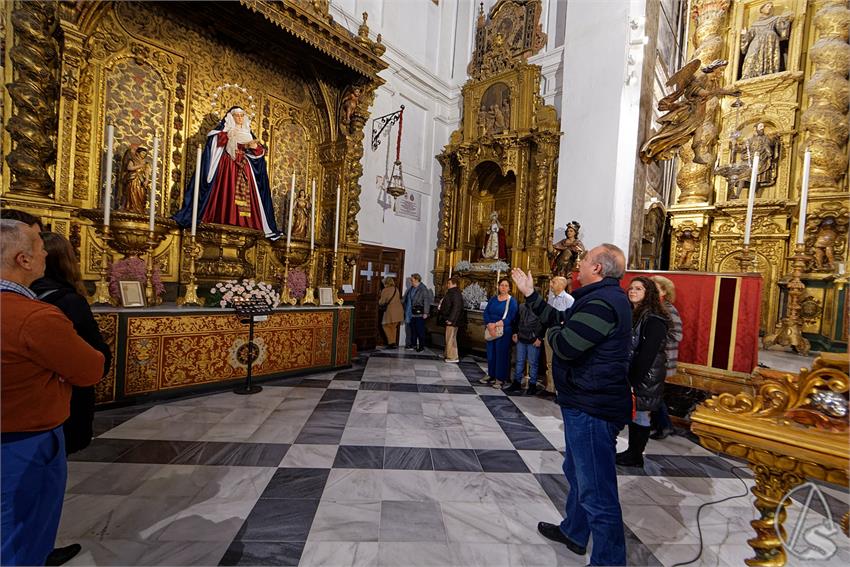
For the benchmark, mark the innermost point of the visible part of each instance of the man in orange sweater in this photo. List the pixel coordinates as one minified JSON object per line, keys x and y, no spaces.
{"x":42,"y":356}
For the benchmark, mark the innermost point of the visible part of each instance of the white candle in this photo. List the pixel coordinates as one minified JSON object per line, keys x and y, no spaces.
{"x":107,"y":191}
{"x":154,"y":161}
{"x":291,"y":206}
{"x":751,"y":198}
{"x":197,"y":189}
{"x":450,"y":272}
{"x":804,"y":198}
{"x":336,"y":222}
{"x":313,"y":216}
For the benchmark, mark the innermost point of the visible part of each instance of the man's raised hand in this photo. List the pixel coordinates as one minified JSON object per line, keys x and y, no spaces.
{"x":524,"y":282}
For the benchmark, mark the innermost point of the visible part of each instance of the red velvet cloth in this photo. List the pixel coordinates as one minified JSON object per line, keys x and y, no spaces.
{"x":716,"y":332}
{"x":222,"y":208}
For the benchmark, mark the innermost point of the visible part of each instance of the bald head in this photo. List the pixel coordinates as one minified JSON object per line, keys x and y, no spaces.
{"x":558,"y":284}
{"x":603,"y":261}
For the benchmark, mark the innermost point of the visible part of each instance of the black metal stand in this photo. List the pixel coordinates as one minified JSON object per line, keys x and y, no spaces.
{"x":248,"y":311}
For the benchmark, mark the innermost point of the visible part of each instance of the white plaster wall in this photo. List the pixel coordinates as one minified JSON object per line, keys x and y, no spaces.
{"x":599,"y":118}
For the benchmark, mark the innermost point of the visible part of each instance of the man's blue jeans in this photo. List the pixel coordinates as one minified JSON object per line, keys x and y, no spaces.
{"x":593,"y":504}
{"x":532,"y":354}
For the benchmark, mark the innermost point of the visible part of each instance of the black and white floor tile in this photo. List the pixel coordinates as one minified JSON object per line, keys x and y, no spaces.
{"x":403,"y":460}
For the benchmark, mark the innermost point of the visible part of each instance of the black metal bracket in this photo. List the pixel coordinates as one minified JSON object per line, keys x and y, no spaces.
{"x":381,"y":123}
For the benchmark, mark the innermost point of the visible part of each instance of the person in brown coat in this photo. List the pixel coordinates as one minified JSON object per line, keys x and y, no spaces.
{"x":390,"y":305}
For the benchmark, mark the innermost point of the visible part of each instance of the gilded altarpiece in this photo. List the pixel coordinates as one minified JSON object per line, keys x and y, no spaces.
{"x":796,"y":95}
{"x":169,"y":70}
{"x":503,"y":157}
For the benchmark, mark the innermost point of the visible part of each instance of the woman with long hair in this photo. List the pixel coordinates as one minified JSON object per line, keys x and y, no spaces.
{"x":667,"y":292}
{"x":62,"y":286}
{"x":648,"y":367}
{"x":499,"y":322}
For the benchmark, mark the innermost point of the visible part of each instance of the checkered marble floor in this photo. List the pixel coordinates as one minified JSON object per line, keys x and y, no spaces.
{"x":403,"y":460}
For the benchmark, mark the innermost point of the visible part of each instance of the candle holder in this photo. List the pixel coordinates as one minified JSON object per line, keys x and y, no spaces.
{"x":150,"y":292}
{"x":789,"y":331}
{"x":336,"y":298}
{"x":309,"y":297}
{"x":191,"y":295}
{"x":746,"y":260}
{"x":101,"y":288}
{"x":285,"y":298}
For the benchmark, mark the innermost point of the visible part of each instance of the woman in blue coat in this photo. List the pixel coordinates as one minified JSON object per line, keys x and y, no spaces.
{"x":500,"y":312}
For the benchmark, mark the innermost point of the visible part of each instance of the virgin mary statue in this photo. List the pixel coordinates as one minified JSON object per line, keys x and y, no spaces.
{"x":234,"y":187}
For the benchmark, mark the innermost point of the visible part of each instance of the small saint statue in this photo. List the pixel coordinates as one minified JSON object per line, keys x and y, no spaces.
{"x":565,"y":253}
{"x":687,"y":249}
{"x":824,"y":247}
{"x":301,"y":215}
{"x":495,"y":247}
{"x":760,"y":44}
{"x":506,"y":111}
{"x":498,"y":118}
{"x":767,"y":148}
{"x":134,"y":179}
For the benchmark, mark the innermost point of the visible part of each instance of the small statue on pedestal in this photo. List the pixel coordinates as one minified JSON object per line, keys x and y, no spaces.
{"x":688,"y":245}
{"x":760,"y":44}
{"x":134,"y":179}
{"x":300,"y":215}
{"x":824,"y":246}
{"x":495,"y":247}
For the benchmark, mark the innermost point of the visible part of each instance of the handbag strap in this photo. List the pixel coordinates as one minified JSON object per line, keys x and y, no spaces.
{"x":507,"y":306}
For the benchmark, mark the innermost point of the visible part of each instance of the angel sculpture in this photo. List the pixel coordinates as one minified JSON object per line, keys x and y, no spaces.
{"x":134,"y":179}
{"x":684,"y":119}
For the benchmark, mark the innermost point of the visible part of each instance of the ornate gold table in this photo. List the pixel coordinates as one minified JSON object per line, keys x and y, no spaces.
{"x":787,"y":435}
{"x":166,"y":351}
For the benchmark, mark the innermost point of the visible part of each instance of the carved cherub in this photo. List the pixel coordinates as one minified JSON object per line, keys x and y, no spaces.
{"x":824,"y":246}
{"x":349,"y":105}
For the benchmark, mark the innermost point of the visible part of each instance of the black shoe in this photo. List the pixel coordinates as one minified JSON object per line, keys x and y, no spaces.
{"x":514,"y":387}
{"x":62,"y":555}
{"x":628,"y":459}
{"x":662,"y":434}
{"x":419,"y":349}
{"x":532,"y":390}
{"x":553,"y":532}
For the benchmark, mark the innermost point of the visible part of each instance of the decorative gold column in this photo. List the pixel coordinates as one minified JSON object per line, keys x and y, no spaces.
{"x":34,"y":93}
{"x":694,"y":178}
{"x":825,"y":120}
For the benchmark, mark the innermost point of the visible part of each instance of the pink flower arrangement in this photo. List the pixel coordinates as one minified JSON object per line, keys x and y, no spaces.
{"x":133,"y":268}
{"x":297,"y":283}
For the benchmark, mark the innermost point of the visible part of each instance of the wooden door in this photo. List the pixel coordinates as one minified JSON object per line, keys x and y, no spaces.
{"x":374,"y":265}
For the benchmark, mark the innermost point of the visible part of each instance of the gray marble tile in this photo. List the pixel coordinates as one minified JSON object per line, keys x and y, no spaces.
{"x":207,"y":520}
{"x":479,"y":554}
{"x":412,"y":521}
{"x":310,"y":456}
{"x":480,"y":522}
{"x":120,"y":479}
{"x":461,"y":487}
{"x":408,"y":485}
{"x":350,"y":521}
{"x":339,"y":554}
{"x":455,"y":460}
{"x":353,"y":484}
{"x":413,"y":554}
{"x":359,"y":457}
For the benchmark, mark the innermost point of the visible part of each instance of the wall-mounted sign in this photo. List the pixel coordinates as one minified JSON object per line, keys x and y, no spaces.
{"x":409,"y":205}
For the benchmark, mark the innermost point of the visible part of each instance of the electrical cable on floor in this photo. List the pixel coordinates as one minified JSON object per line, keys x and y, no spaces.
{"x":704,"y":504}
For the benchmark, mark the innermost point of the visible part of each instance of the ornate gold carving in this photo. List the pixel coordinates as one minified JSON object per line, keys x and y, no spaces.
{"x":343,"y":330}
{"x":34,"y":94}
{"x":778,"y":395}
{"x":826,"y":120}
{"x":108,"y":325}
{"x":506,"y":39}
{"x":143,"y":364}
{"x":693,"y":177}
{"x":687,"y":234}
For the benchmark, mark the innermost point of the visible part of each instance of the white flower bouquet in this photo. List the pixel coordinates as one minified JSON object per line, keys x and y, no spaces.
{"x":224,"y":293}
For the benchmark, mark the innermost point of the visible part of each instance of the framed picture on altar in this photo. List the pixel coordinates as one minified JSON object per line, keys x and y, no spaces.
{"x":326,"y":296}
{"x":131,"y":294}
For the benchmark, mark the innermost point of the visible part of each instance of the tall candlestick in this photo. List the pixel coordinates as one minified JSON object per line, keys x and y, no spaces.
{"x":313,"y":217}
{"x":154,"y":160}
{"x":291,"y":205}
{"x":197,"y":190}
{"x":804,"y":198}
{"x":107,"y":191}
{"x":336,"y":222}
{"x":751,"y":198}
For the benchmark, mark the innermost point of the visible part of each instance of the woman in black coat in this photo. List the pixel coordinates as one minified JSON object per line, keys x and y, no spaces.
{"x":648,"y":367}
{"x":62,"y":286}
